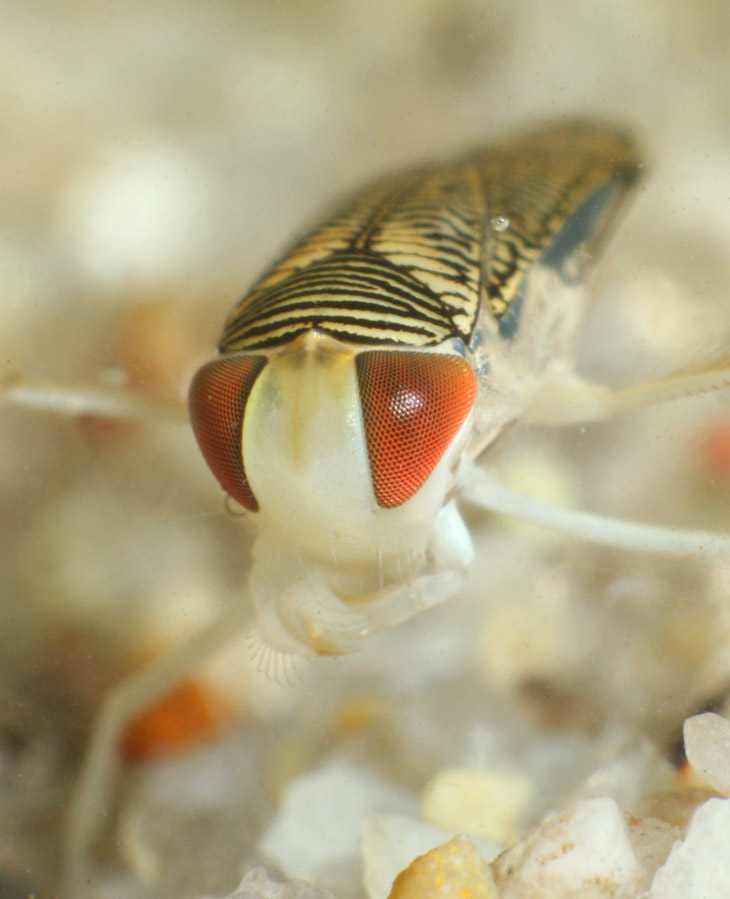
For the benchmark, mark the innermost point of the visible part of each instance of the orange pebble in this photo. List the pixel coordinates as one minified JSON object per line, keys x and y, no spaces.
{"x":452,"y":871}
{"x":189,"y":714}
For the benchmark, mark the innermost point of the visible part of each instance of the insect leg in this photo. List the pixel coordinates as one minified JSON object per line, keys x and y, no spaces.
{"x":302,"y":610}
{"x":680,"y":384}
{"x":321,"y":623}
{"x":569,"y":399}
{"x":72,"y":401}
{"x":448,"y":555}
{"x":90,"y":801}
{"x":482,"y":489}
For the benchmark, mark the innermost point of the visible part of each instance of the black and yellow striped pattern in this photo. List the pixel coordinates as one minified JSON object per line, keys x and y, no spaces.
{"x":411,"y":260}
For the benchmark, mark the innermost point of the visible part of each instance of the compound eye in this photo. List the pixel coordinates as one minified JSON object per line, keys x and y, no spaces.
{"x":217,"y":402}
{"x":413,"y":406}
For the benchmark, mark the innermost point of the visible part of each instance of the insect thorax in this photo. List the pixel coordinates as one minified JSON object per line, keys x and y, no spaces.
{"x":356,"y":297}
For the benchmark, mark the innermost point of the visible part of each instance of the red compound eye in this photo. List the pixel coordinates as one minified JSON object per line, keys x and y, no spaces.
{"x":413,"y":405}
{"x":217,"y":401}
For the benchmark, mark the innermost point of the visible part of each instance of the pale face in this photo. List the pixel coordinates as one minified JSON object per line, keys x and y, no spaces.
{"x":344,"y":455}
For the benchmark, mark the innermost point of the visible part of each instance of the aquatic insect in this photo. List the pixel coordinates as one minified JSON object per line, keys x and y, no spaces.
{"x":364,"y":375}
{"x":385,"y":351}
{"x":369,"y":367}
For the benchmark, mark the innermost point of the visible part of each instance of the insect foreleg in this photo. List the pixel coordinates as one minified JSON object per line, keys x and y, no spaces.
{"x":91,"y":799}
{"x":449,"y":553}
{"x":318,"y":622}
{"x":302,"y":608}
{"x":481,"y":488}
{"x":75,"y":400}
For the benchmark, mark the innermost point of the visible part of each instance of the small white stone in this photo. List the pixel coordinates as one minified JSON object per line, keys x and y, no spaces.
{"x":257,"y":885}
{"x":583,"y":853}
{"x":316,"y":834}
{"x":699,"y":867}
{"x":707,"y":744}
{"x":487,"y":803}
{"x":629,"y":769}
{"x":391,"y":842}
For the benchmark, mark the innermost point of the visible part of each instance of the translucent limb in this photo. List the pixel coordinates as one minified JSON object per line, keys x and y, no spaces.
{"x":298,"y":611}
{"x":681,"y":384}
{"x":90,"y":802}
{"x":567,"y":398}
{"x":305,"y":616}
{"x":482,"y":489}
{"x":450,"y":546}
{"x":407,"y":600}
{"x":106,"y":402}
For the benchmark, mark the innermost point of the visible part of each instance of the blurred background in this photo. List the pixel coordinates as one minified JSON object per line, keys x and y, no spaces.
{"x":155,"y":155}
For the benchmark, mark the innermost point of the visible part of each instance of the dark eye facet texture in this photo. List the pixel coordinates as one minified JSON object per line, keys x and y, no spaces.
{"x":413,"y":406}
{"x":217,"y":403}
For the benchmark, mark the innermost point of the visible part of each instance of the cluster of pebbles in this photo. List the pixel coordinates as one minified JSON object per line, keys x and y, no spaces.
{"x":593,"y":850}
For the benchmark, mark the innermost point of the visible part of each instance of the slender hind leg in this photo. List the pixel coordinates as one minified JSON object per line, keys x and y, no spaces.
{"x":481,"y":488}
{"x":569,"y":399}
{"x":90,"y":802}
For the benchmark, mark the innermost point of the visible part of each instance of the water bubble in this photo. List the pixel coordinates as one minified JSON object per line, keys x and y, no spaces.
{"x":500,"y":222}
